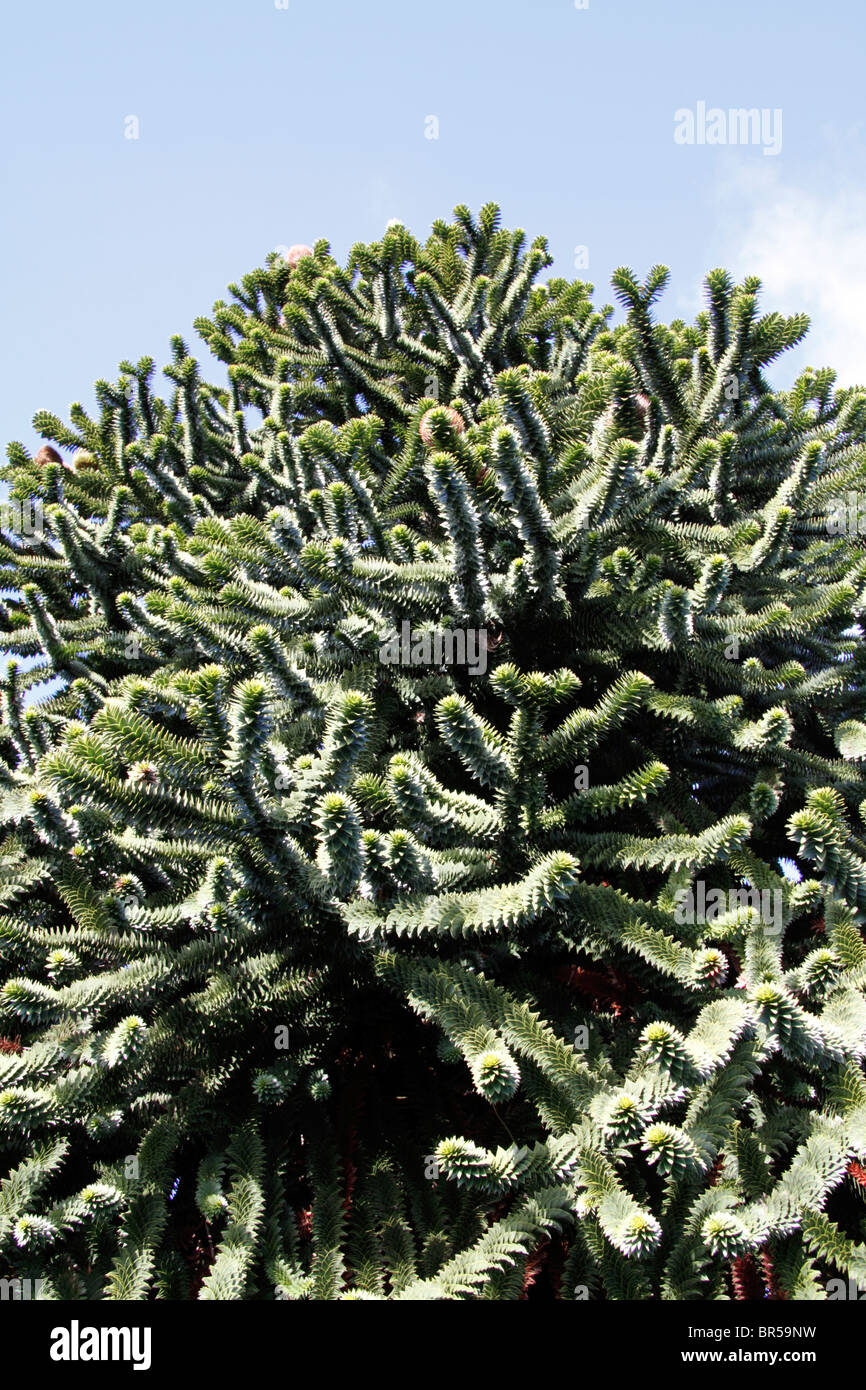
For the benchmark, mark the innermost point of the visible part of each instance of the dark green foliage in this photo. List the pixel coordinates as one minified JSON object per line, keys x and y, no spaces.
{"x":330,"y":975}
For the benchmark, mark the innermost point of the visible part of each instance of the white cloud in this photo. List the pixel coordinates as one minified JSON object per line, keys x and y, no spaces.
{"x":809,"y":248}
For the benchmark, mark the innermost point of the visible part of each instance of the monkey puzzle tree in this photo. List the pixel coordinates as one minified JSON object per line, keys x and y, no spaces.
{"x":334,"y":969}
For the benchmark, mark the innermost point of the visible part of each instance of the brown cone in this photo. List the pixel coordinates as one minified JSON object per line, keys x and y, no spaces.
{"x":297,"y":253}
{"x":47,"y":455}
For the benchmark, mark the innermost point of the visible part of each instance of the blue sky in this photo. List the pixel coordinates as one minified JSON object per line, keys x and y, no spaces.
{"x":261,"y":126}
